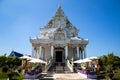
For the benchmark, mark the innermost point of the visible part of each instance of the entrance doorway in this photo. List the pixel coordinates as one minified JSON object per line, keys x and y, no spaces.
{"x":58,"y":56}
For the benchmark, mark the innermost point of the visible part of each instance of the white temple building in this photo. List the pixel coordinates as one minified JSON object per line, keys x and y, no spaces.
{"x":58,"y":41}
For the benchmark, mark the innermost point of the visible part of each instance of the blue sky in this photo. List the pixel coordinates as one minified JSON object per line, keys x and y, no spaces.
{"x":98,"y":20}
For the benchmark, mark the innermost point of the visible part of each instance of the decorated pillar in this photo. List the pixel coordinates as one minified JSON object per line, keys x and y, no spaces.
{"x":52,"y":51}
{"x":77,"y":52}
{"x":37,"y":52}
{"x":33,"y":52}
{"x":85,"y":52}
{"x":80,"y":54}
{"x":40,"y":51}
{"x":43,"y":53}
{"x":66,"y":51}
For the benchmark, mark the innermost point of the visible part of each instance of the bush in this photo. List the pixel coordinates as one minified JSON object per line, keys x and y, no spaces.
{"x":18,"y":76}
{"x":5,"y":69}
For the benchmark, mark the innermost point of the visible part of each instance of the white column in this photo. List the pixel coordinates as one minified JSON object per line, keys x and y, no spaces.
{"x":84,"y":52}
{"x":40,"y":51}
{"x":80,"y":54}
{"x":52,"y":51}
{"x":37,"y":54}
{"x":33,"y":52}
{"x":66,"y":51}
{"x":77,"y":52}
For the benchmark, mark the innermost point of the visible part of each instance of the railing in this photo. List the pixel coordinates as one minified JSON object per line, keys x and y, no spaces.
{"x":49,"y":63}
{"x":69,"y":65}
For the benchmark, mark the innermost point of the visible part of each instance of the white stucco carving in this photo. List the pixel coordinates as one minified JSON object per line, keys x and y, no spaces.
{"x":58,"y":33}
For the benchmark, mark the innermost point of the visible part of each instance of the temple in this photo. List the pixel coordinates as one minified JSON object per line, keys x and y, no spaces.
{"x":59,"y":42}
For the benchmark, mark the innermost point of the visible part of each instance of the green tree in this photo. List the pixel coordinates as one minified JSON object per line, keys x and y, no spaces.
{"x":111,"y":60}
{"x":2,"y":61}
{"x":103,"y":61}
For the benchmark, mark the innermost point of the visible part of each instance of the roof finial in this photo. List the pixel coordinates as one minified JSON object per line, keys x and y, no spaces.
{"x":59,"y":11}
{"x":59,"y":6}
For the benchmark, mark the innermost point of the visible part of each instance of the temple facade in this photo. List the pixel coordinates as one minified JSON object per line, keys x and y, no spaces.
{"x":59,"y":41}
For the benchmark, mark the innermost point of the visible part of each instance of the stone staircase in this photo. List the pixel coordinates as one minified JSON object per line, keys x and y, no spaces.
{"x":59,"y":68}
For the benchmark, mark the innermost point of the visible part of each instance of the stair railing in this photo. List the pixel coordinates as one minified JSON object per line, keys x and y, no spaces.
{"x":69,"y":64}
{"x":49,"y":63}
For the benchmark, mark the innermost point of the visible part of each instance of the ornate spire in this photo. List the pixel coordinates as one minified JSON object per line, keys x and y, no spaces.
{"x":59,"y":11}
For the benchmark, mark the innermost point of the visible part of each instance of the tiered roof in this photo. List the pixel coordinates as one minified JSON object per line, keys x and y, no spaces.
{"x":58,"y":25}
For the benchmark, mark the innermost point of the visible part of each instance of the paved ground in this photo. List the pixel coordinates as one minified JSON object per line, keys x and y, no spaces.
{"x":61,"y":76}
{"x":68,"y":76}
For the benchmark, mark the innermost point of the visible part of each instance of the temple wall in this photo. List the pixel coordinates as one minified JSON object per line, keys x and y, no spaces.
{"x":47,"y":52}
{"x":70,"y":52}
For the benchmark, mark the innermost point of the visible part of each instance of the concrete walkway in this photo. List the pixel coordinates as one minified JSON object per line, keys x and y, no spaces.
{"x":68,"y":76}
{"x":62,"y":76}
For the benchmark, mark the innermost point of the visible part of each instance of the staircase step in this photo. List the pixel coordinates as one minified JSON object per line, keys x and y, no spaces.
{"x":59,"y":69}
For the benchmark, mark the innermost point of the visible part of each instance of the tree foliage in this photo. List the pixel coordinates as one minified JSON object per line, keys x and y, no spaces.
{"x":110,"y":59}
{"x":9,"y":65}
{"x":13,"y":61}
{"x":2,"y":60}
{"x":9,"y":62}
